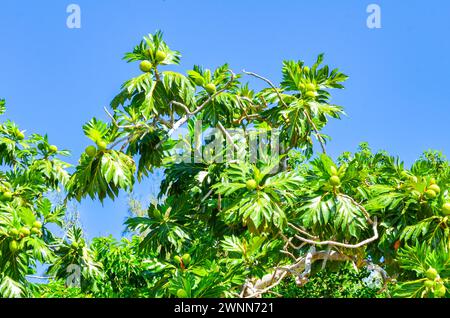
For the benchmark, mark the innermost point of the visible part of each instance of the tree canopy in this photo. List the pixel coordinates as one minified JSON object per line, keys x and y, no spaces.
{"x":251,"y":204}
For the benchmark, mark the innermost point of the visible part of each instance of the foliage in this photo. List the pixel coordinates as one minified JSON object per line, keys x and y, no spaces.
{"x":229,"y":220}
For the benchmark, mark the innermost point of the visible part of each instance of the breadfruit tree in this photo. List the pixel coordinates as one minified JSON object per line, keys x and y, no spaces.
{"x":247,"y":207}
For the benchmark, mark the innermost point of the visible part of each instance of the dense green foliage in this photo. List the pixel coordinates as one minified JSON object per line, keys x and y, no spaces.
{"x":282,"y":221}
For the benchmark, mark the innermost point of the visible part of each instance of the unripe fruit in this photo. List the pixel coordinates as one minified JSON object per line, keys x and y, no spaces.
{"x":439,"y":291}
{"x":302,"y":86}
{"x":181,"y":293}
{"x":310,"y":94}
{"x":13,"y":232}
{"x":251,"y":184}
{"x":430,"y":194}
{"x":155,"y":213}
{"x":13,"y":246}
{"x":53,"y":148}
{"x":431,"y":273}
{"x":334,"y":171}
{"x":20,"y":135}
{"x":6,"y":196}
{"x":199,"y":81}
{"x":210,"y":88}
{"x":335,"y":181}
{"x":160,"y":56}
{"x":432,"y":181}
{"x":435,"y":188}
{"x":35,"y":230}
{"x":81,"y":244}
{"x":37,"y":224}
{"x":91,"y":151}
{"x":145,"y":66}
{"x":177,"y":259}
{"x":25,"y":231}
{"x":186,"y":259}
{"x":74,"y":245}
{"x":310,"y":87}
{"x":102,"y":145}
{"x":446,"y":208}
{"x":428,"y":283}
{"x":306,"y":69}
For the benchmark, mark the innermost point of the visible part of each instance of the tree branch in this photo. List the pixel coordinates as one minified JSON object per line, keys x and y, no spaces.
{"x":227,"y":135}
{"x":333,"y":243}
{"x":316,"y":131}
{"x":268,"y":281}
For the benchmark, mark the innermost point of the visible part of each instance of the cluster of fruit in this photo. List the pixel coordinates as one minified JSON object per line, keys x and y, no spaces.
{"x":91,"y":151}
{"x":335,"y":181}
{"x":309,"y":88}
{"x":77,"y":245}
{"x":432,"y":190}
{"x":209,"y":87}
{"x":434,"y":283}
{"x":183,"y":261}
{"x":18,"y":234}
{"x":146,"y":66}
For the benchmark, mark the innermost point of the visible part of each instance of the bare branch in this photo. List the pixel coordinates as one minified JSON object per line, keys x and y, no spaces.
{"x":269,"y":281}
{"x":111,"y":117}
{"x":333,"y":243}
{"x":270,"y":84}
{"x":185,"y":108}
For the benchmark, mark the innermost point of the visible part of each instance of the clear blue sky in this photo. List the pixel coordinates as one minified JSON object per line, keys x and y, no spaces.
{"x":55,"y":78}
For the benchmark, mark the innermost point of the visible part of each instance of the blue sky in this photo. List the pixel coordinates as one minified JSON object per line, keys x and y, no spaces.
{"x":55,"y":78}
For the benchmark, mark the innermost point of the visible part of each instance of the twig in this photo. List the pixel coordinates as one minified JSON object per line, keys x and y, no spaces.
{"x":301,"y":231}
{"x":363,"y":209}
{"x":186,"y":109}
{"x":40,"y":277}
{"x":111,"y":116}
{"x":318,"y":135}
{"x":207,"y":195}
{"x":228,"y":136}
{"x":118,"y":142}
